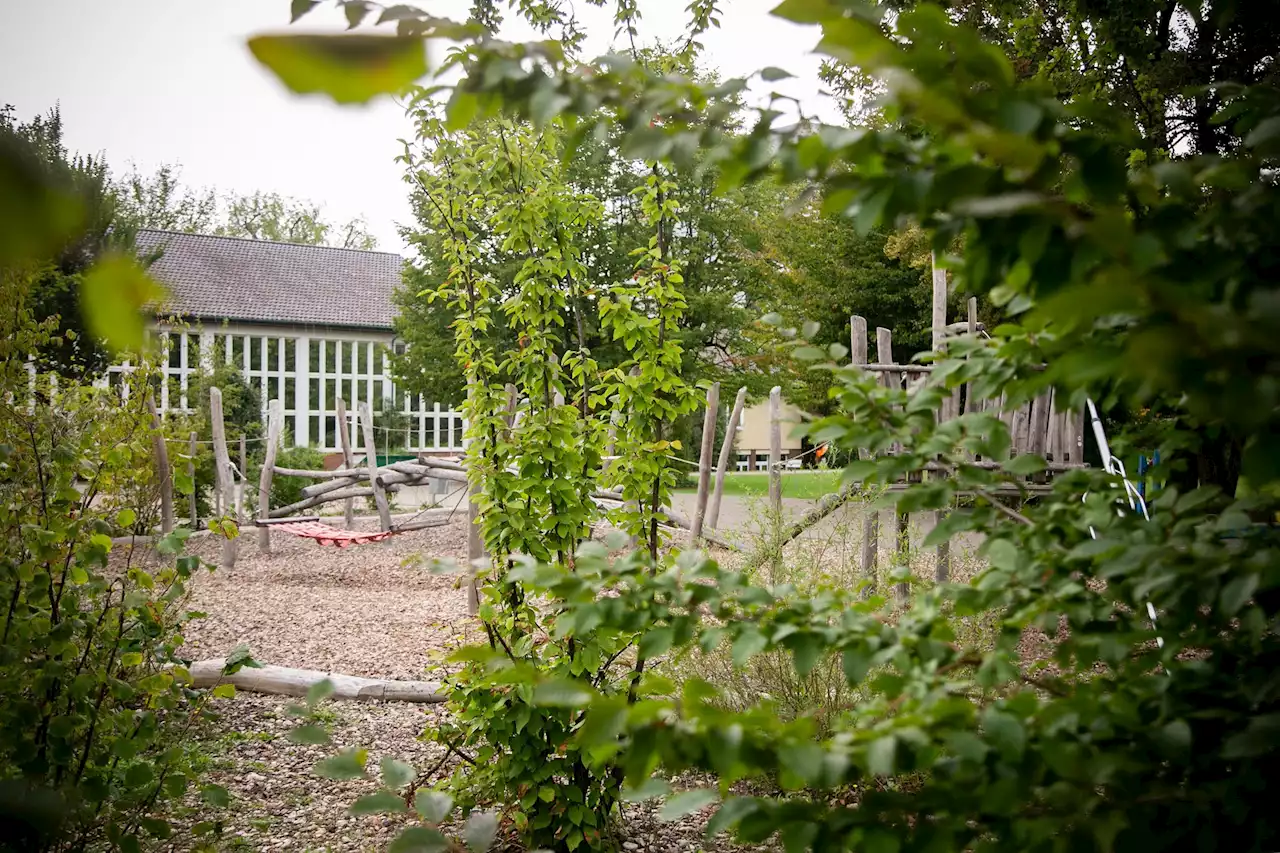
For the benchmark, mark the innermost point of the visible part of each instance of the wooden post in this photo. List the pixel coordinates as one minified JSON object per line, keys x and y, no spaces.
{"x":242,"y":480}
{"x":971,"y":405}
{"x":708,"y":448}
{"x":475,"y":537}
{"x":163,"y":477}
{"x":223,"y":481}
{"x":870,"y":516}
{"x":275,"y":420}
{"x":726,"y":452}
{"x":191,"y":472}
{"x":371,"y":451}
{"x":348,"y":461}
{"x":950,"y":406}
{"x":775,"y":475}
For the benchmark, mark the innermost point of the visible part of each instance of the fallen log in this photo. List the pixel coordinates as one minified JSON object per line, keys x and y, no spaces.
{"x":287,"y":681}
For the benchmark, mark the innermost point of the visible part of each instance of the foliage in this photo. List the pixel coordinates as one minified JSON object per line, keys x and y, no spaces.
{"x":161,"y":201}
{"x":93,"y":705}
{"x":56,"y":281}
{"x":1148,"y":282}
{"x":241,"y":416}
{"x":271,"y":216}
{"x":288,"y":490}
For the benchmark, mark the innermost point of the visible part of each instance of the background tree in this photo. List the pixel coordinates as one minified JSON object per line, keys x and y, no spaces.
{"x":271,"y":216}
{"x":55,"y":288}
{"x":160,"y":200}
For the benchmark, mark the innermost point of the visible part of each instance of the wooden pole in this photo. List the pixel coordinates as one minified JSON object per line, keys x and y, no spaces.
{"x":222,"y":470}
{"x":726,"y":451}
{"x":870,"y":516}
{"x":275,"y":420}
{"x":939,"y":303}
{"x":970,"y":404}
{"x":371,"y":451}
{"x":902,"y":548}
{"x":191,"y":472}
{"x":348,"y":460}
{"x":242,"y":479}
{"x":704,"y":459}
{"x":775,"y":474}
{"x":950,"y":408}
{"x":163,"y":477}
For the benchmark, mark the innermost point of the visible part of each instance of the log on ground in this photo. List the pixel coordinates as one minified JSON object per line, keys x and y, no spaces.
{"x":288,"y":681}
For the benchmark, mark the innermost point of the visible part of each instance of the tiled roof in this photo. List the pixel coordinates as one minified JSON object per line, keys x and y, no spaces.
{"x":263,"y":282}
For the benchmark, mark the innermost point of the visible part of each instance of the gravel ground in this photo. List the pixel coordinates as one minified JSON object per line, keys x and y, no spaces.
{"x":371,"y":610}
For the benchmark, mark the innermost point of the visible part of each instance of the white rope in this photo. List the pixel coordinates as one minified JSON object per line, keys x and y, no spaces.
{"x":1115,"y":467}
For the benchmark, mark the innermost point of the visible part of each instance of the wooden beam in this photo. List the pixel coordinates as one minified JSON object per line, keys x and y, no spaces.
{"x":870,"y":517}
{"x":222,"y":471}
{"x":775,"y":475}
{"x":348,"y":460}
{"x":336,"y":474}
{"x":726,"y":452}
{"x":288,"y":681}
{"x":709,"y":419}
{"x":164,"y":478}
{"x":275,"y":421}
{"x":371,"y":451}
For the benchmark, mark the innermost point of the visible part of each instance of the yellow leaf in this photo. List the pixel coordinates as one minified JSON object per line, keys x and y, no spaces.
{"x":112,"y":298}
{"x":351,"y":69}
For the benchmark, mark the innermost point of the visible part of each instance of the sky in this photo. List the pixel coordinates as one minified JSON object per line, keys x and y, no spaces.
{"x":147,"y":82}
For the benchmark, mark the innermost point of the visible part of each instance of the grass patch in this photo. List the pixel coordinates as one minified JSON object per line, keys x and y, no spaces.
{"x":808,"y":485}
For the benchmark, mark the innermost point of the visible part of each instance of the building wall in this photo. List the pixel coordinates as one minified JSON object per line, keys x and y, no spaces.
{"x":753,"y":434}
{"x":307,"y":369}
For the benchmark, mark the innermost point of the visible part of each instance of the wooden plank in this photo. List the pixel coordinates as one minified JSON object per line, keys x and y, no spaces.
{"x":970,"y":404}
{"x":288,"y":681}
{"x":726,"y":453}
{"x":330,"y":486}
{"x":890,"y":378}
{"x":939,"y":324}
{"x":222,"y":471}
{"x":704,"y":459}
{"x":1038,"y":425}
{"x":164,"y":479}
{"x":877,"y":367}
{"x":348,"y":458}
{"x":191,"y":472}
{"x":371,"y":454}
{"x":275,"y":423}
{"x":858,"y":339}
{"x":901,"y":549}
{"x":260,"y":522}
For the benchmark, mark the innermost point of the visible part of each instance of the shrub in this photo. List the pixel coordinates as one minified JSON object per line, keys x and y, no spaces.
{"x":93,"y":710}
{"x":288,"y":490}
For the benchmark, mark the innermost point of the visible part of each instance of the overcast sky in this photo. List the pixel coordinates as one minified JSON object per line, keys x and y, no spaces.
{"x":170,"y":81}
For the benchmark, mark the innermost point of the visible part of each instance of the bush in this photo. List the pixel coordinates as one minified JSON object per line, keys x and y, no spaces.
{"x":288,"y":490}
{"x":93,"y":710}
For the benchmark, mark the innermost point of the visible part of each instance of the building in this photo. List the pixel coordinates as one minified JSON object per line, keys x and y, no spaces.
{"x":306,"y":324}
{"x":752,"y":442}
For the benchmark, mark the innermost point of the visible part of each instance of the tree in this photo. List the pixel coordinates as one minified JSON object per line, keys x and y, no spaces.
{"x":1144,"y":717}
{"x":271,"y":216}
{"x":38,"y":144}
{"x":161,"y":201}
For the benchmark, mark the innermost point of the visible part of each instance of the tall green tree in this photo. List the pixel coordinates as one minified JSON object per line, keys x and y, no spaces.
{"x":161,"y":200}
{"x":271,"y":216}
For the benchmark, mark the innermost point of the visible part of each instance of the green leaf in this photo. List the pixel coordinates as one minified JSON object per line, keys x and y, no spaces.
{"x":1005,"y":732}
{"x":804,"y":760}
{"x":215,"y":795}
{"x":348,"y":764}
{"x":113,"y":295}
{"x":656,"y":641}
{"x":647,"y":790}
{"x":35,"y":216}
{"x":561,"y":693}
{"x":138,"y":775}
{"x":125,"y":518}
{"x":298,"y":8}
{"x":309,"y":734}
{"x":1025,"y":464}
{"x":395,"y":773}
{"x":432,"y":805}
{"x":350,"y":68}
{"x":1236,"y":593}
{"x":806,"y":11}
{"x":1260,"y":737}
{"x":479,"y":831}
{"x":685,"y":802}
{"x":733,"y":810}
{"x":225,"y":691}
{"x":750,"y":642}
{"x":808,"y":354}
{"x":419,"y":839}
{"x":381,"y":802}
{"x":155,"y":827}
{"x":318,"y":692}
{"x":882,"y":755}
{"x":771,"y":75}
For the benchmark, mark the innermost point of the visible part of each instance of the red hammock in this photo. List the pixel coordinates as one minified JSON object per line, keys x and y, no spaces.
{"x":326,"y":535}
